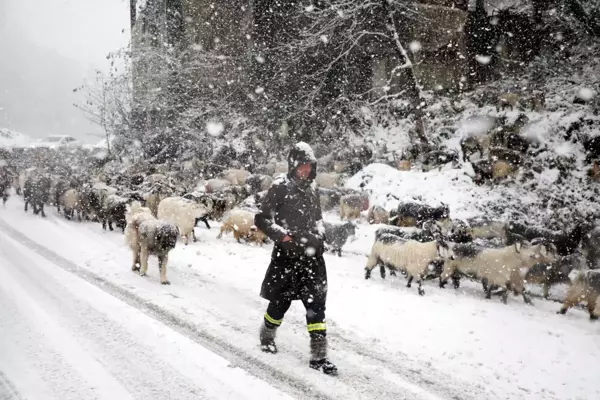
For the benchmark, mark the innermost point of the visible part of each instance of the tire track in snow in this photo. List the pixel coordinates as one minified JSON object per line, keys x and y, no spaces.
{"x":7,"y":389}
{"x":293,"y":386}
{"x":433,"y":385}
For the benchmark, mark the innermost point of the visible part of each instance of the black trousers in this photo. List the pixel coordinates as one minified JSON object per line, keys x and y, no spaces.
{"x":315,"y":316}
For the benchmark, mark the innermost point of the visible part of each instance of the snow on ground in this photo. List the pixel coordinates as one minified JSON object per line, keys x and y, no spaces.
{"x":388,"y":341}
{"x":63,"y":338}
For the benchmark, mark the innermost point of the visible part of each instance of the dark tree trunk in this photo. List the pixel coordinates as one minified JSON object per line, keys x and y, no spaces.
{"x":412,"y":90}
{"x":132,"y":12}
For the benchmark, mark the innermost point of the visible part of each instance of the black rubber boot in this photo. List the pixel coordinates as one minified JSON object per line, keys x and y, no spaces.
{"x":267,"y":339}
{"x":318,"y":355}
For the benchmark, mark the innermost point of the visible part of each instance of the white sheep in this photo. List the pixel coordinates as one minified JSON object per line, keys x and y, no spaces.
{"x":352,"y":204}
{"x":497,"y":267}
{"x":378,"y":215}
{"x":216,"y":185}
{"x":411,"y":256}
{"x":71,"y":203}
{"x":146,"y":235}
{"x":183,"y":213}
{"x":23,"y":176}
{"x":328,"y":180}
{"x":241,"y":223}
{"x":236,"y":176}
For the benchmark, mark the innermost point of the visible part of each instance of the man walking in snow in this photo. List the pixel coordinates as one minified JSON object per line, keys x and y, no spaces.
{"x":291,"y":216}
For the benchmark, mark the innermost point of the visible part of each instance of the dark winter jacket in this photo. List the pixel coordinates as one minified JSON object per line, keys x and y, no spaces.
{"x":291,"y":207}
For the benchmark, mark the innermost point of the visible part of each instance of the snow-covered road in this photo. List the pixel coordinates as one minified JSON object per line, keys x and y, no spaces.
{"x":63,"y":338}
{"x":389,"y":342}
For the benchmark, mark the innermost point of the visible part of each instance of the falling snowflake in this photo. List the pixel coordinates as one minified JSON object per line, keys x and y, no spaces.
{"x":324,"y":39}
{"x":586,"y":94}
{"x":414,"y":46}
{"x":310,"y":8}
{"x":259,"y":90}
{"x":214,"y":128}
{"x":483,"y":60}
{"x":260,"y":59}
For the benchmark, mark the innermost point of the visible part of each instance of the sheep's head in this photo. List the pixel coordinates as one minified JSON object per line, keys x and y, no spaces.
{"x":539,"y":250}
{"x":444,"y":250}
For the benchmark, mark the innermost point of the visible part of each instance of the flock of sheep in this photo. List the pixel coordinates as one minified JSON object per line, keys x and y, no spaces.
{"x":154,"y":209}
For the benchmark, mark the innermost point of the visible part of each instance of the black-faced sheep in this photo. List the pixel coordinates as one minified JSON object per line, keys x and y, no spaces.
{"x":70,"y":201}
{"x":585,"y":287}
{"x":36,"y":192}
{"x":565,"y":242}
{"x":146,"y":235}
{"x":241,"y":223}
{"x":336,"y":235}
{"x":204,"y":200}
{"x":497,"y":267}
{"x":440,"y":157}
{"x":414,"y":214}
{"x":548,"y":275}
{"x":113,"y":211}
{"x":414,"y":257}
{"x":259,"y":183}
{"x":459,"y":232}
{"x":5,"y":183}
{"x":351,"y":205}
{"x":474,"y":144}
{"x":378,"y":215}
{"x":183,"y":213}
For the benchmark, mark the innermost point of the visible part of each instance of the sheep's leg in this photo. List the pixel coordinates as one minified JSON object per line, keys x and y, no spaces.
{"x":526,"y":297}
{"x":194,"y":239}
{"x":162,"y":266}
{"x":484,"y":283}
{"x":237,"y":235}
{"x":410,"y":279}
{"x":42,"y":210}
{"x":420,"y":288}
{"x":456,"y":281}
{"x":368,"y":272}
{"x":574,"y":295}
{"x":591,"y":305}
{"x":220,"y":235}
{"x":110,"y":227}
{"x":382,"y":271}
{"x":339,"y":252}
{"x":546,"y":290}
{"x":205,"y":220}
{"x":143,"y":260}
{"x":392,"y":271}
{"x":136,"y":259}
{"x":488,"y":290}
{"x":185,"y":239}
{"x":505,"y":296}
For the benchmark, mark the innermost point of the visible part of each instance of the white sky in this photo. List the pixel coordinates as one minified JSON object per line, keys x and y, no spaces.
{"x":84,"y":30}
{"x":51,"y":47}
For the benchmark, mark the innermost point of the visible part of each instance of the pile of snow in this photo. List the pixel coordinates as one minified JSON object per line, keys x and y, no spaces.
{"x":10,"y":138}
{"x":454,"y":187}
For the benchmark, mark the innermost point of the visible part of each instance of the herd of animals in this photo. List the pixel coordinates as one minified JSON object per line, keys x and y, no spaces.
{"x":158,"y":207}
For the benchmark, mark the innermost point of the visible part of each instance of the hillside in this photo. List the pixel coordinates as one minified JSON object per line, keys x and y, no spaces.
{"x":9,"y":138}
